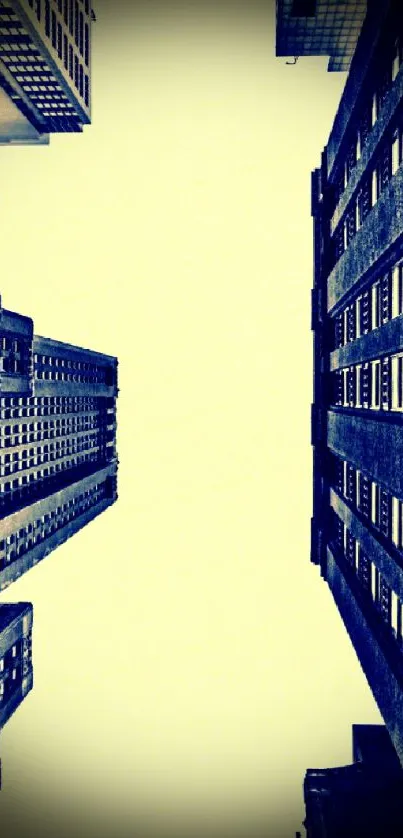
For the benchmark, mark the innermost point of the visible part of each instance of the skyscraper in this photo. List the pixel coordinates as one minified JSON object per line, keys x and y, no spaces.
{"x":45,"y":79}
{"x":16,"y":678}
{"x":58,"y":458}
{"x":357,"y":319}
{"x":16,"y":672}
{"x":357,"y":431}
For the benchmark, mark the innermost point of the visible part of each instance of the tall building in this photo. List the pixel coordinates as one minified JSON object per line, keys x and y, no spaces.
{"x":58,"y":459}
{"x":357,"y":319}
{"x":16,"y":676}
{"x":357,"y":430}
{"x":361,"y":799}
{"x":45,"y":78}
{"x":16,"y":672}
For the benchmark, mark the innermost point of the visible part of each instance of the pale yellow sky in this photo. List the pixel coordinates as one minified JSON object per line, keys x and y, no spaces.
{"x":188,"y":658}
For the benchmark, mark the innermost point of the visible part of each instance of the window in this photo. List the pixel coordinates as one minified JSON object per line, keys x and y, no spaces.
{"x":14,"y":651}
{"x":396,"y":615}
{"x":374,"y":582}
{"x":87,"y":44}
{"x":374,"y":109}
{"x":65,"y":52}
{"x":375,"y":305}
{"x":358,"y":318}
{"x":396,"y":59}
{"x":396,"y":519}
{"x":76,"y":23}
{"x":376,"y":381}
{"x":358,"y":388}
{"x":59,"y":40}
{"x":374,"y":187}
{"x":374,"y":503}
{"x":397,"y":295}
{"x":47,"y":18}
{"x":397,"y":382}
{"x":71,"y":65}
{"x":54,"y":29}
{"x":396,"y":152}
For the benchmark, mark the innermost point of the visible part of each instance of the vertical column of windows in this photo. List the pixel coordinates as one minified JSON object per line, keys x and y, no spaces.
{"x":386,"y":383}
{"x":385,"y":291}
{"x":351,"y":322}
{"x":364,"y":570}
{"x":351,"y":386}
{"x":385,"y":600}
{"x":385,"y":513}
{"x":350,"y":548}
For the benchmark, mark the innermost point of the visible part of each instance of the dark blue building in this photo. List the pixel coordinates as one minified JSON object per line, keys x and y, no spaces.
{"x":357,"y":318}
{"x":361,"y":800}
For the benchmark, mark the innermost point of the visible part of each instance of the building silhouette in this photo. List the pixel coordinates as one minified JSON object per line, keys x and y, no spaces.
{"x":361,"y":799}
{"x":16,"y":678}
{"x":45,"y":78}
{"x":16,"y":673}
{"x":357,"y":414}
{"x":58,"y":459}
{"x":357,"y":313}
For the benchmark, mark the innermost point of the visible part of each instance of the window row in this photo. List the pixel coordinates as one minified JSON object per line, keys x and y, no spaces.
{"x":69,"y":423}
{"x":25,"y":406}
{"x":385,"y":600}
{"x":37,"y":531}
{"x":373,"y":385}
{"x":67,"y":433}
{"x":21,"y":462}
{"x":22,"y":485}
{"x":379,"y":508}
{"x":389,"y":159}
{"x":14,"y":665}
{"x":64,"y":369}
{"x":381,"y":302}
{"x":370,"y":113}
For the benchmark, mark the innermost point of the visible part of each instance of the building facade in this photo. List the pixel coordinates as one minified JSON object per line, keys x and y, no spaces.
{"x":357,"y":318}
{"x":319,"y":27}
{"x":58,"y":461}
{"x":361,"y":799}
{"x":45,"y":68}
{"x":16,"y":671}
{"x":16,"y":675}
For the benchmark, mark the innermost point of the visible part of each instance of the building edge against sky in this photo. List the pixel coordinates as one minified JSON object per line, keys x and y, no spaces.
{"x":357,"y":527}
{"x":58,"y":459}
{"x":16,"y":669}
{"x":45,"y":69}
{"x":357,"y":429}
